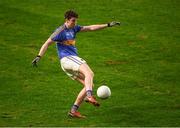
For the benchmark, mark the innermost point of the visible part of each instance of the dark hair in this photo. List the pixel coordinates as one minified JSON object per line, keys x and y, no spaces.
{"x":69,"y":14}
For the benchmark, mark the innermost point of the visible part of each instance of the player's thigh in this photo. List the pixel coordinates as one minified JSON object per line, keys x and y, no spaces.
{"x":71,"y":65}
{"x":85,"y":70}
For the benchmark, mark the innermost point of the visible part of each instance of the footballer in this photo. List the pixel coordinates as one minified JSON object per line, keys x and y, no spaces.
{"x":74,"y":66}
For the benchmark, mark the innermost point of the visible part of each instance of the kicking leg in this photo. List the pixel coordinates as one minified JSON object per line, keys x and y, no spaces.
{"x":82,"y":93}
{"x":88,"y":74}
{"x":88,"y":82}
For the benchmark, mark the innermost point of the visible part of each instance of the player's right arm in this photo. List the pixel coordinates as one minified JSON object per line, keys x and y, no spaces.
{"x":42,"y":51}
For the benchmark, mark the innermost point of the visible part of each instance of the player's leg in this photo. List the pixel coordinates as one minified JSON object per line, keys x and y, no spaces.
{"x":88,"y":73}
{"x":79,"y":99}
{"x":88,"y":81}
{"x":71,"y":65}
{"x":82,"y":93}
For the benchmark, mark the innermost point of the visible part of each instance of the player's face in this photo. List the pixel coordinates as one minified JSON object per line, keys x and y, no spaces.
{"x":72,"y":22}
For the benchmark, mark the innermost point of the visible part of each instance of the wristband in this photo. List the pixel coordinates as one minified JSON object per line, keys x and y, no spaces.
{"x":108,"y":25}
{"x":38,"y":56}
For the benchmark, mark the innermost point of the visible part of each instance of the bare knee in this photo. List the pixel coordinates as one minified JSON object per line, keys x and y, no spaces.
{"x":89,"y":74}
{"x":86,"y":71}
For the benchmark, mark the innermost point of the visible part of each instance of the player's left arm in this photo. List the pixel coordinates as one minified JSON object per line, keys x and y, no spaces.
{"x":99,"y":26}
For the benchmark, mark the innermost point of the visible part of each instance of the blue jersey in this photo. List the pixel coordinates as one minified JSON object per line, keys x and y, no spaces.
{"x":65,"y":39}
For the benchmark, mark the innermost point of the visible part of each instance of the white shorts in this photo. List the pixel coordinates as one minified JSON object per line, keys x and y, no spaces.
{"x":70,"y":65}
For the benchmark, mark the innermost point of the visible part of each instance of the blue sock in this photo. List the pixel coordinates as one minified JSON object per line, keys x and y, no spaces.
{"x":74,"y":108}
{"x":89,"y":93}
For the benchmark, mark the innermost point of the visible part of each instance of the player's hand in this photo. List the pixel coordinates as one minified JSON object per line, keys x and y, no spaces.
{"x":113,"y":23}
{"x":35,"y":61}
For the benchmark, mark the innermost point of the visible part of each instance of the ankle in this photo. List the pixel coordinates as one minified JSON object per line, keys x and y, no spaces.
{"x":89,"y":93}
{"x":74,"y":108}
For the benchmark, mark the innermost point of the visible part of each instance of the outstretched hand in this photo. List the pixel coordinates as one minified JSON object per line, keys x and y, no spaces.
{"x":35,"y":61}
{"x":113,"y":23}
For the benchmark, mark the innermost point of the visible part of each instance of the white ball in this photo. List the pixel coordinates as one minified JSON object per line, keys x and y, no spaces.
{"x":103,"y":92}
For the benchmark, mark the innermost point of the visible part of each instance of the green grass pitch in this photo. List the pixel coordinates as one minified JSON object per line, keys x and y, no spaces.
{"x":139,"y":61}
